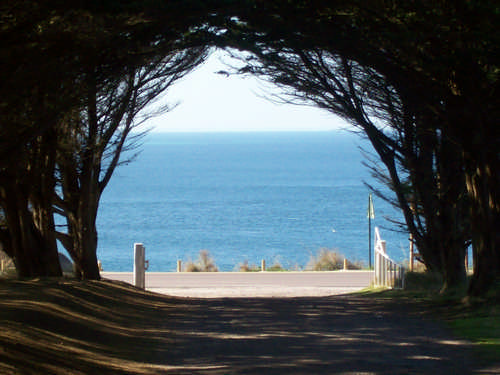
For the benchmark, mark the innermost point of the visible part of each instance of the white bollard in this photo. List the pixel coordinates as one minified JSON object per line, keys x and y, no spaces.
{"x":179,"y":265}
{"x":140,"y":265}
{"x":263,"y":265}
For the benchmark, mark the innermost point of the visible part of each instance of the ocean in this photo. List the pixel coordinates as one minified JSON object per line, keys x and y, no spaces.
{"x":243,"y":197}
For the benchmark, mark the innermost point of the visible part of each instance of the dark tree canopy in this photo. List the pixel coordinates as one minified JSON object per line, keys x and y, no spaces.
{"x":440,"y":57}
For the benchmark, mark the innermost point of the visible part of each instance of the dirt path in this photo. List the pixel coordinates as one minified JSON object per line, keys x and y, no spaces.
{"x":340,"y":334}
{"x":111,"y":328}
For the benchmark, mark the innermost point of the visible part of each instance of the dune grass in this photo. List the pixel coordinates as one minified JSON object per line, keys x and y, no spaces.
{"x":204,"y":263}
{"x":330,"y":260}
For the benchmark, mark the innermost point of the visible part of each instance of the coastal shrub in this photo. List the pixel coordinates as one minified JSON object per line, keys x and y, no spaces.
{"x":245,"y":267}
{"x":205,"y":263}
{"x":330,"y":260}
{"x":357,"y":265}
{"x":276,"y":267}
{"x":326,"y":260}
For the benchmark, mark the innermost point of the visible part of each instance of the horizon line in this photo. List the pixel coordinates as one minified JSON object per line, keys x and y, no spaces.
{"x":207,"y":131}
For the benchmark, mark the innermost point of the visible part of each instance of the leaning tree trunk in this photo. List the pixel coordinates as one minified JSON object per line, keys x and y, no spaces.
{"x":424,"y":240}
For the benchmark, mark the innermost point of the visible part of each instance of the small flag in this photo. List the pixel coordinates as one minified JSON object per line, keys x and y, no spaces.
{"x":370,"y":214}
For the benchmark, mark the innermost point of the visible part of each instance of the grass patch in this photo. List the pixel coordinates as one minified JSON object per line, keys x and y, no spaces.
{"x":475,"y":320}
{"x":484,"y":331}
{"x":429,"y":283}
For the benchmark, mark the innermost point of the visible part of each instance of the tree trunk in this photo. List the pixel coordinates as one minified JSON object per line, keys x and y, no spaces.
{"x":31,"y":255}
{"x":26,"y":195}
{"x":454,"y":217}
{"x":484,"y":190}
{"x":82,"y":227}
{"x":44,"y":223}
{"x":86,"y":264}
{"x":454,"y":273}
{"x":42,"y":197}
{"x":81,"y":241}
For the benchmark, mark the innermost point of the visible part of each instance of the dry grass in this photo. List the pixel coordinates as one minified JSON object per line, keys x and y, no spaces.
{"x":246,"y":267}
{"x":205,"y":263}
{"x":329,"y":260}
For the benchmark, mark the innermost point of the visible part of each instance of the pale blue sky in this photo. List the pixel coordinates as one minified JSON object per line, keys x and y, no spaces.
{"x":213,"y":102}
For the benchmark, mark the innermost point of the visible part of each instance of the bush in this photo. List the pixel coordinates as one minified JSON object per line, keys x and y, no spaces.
{"x":205,"y":263}
{"x":330,"y":260}
{"x":276,"y":267}
{"x":326,"y":260}
{"x":245,"y":267}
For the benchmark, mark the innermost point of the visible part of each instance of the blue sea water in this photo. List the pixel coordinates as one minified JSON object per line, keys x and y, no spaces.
{"x":242,"y":196}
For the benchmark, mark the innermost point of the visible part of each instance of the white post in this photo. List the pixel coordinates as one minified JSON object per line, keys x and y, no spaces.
{"x":384,"y":263}
{"x":139,"y":265}
{"x":179,"y":265}
{"x":263,"y":265}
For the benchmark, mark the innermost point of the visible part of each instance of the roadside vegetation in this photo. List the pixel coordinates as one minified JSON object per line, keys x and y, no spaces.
{"x":247,"y":267}
{"x":324,"y":260}
{"x":330,"y":260}
{"x":204,"y":263}
{"x":471,"y":318}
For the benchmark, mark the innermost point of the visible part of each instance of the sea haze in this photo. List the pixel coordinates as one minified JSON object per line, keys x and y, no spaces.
{"x":241,"y":196}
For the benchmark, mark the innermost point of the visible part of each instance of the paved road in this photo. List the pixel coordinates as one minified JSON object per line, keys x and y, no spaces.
{"x":250,"y":284}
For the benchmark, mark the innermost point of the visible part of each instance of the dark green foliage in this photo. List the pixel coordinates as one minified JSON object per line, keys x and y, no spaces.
{"x":440,"y":58}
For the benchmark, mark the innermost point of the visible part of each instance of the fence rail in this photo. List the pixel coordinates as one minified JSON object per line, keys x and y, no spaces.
{"x":387,"y":272}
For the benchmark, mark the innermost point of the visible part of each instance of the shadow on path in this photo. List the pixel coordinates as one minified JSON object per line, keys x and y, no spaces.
{"x":109,"y":327}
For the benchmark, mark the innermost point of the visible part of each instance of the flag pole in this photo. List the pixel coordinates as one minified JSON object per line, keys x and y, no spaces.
{"x":371,"y":215}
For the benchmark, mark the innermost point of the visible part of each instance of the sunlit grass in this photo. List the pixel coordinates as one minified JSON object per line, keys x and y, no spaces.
{"x":476,"y":320}
{"x":483,"y":331}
